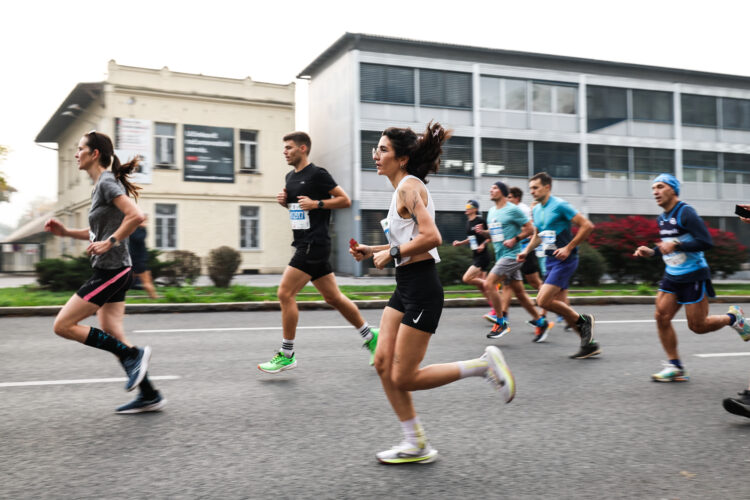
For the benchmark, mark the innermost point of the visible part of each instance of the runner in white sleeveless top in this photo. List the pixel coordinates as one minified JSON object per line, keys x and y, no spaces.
{"x":413,"y":312}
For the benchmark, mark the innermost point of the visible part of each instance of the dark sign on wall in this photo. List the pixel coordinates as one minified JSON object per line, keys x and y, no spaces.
{"x":209,"y":153}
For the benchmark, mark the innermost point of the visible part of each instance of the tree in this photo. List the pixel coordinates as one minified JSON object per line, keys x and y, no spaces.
{"x":5,"y":188}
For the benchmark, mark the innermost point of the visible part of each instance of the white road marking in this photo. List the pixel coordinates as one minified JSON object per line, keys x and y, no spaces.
{"x":722,"y":354}
{"x":81,"y":381}
{"x":242,"y":329}
{"x":614,"y":321}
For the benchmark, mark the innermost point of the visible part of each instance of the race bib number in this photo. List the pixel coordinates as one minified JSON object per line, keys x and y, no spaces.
{"x":473,"y":242}
{"x":548,"y":240}
{"x":300,"y":219}
{"x":496,"y":232}
{"x":539,"y":251}
{"x":386,"y":225}
{"x":92,"y":236}
{"x":674,"y":258}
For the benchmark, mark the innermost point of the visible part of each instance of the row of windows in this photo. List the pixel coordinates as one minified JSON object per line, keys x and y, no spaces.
{"x":165,"y":227}
{"x":514,"y":158}
{"x":165,"y":135}
{"x":606,"y":106}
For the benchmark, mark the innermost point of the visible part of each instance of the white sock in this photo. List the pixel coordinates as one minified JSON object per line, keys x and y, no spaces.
{"x":414,"y":433}
{"x":364,"y":330}
{"x":287,"y":347}
{"x":472,"y":367}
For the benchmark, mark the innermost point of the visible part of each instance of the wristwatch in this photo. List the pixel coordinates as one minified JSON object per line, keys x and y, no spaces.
{"x":320,"y":203}
{"x":114,"y":241}
{"x":396,"y":253}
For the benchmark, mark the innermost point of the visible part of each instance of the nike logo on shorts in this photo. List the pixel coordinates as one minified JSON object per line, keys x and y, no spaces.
{"x":416,"y":320}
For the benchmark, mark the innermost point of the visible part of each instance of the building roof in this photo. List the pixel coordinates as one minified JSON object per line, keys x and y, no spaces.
{"x":435,"y":50}
{"x":28,"y":231}
{"x":82,"y":95}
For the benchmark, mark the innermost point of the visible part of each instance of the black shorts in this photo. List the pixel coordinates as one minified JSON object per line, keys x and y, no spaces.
{"x":312,"y":259}
{"x":106,"y":285}
{"x":419,"y":295}
{"x":530,"y":265}
{"x":691,"y":292}
{"x":481,"y":260}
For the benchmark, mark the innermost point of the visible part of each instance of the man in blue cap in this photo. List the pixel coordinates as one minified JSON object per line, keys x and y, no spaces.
{"x":687,"y":278}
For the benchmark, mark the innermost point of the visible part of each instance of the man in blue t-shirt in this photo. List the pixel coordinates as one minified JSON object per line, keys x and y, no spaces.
{"x":553,"y":218}
{"x":687,"y":278}
{"x":508,"y":226}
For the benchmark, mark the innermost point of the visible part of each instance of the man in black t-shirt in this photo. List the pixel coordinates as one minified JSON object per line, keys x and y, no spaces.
{"x":310,"y":194}
{"x":481,"y":260}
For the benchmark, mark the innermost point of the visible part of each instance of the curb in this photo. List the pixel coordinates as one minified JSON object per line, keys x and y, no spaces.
{"x":362,"y":304}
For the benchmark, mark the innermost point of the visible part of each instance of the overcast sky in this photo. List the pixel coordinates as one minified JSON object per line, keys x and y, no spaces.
{"x":50,"y":46}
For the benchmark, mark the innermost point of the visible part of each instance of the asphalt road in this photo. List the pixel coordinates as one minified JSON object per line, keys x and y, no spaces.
{"x":596,"y":428}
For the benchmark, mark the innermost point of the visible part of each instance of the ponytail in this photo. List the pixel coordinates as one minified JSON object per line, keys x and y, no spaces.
{"x":122,"y":172}
{"x":423,"y":151}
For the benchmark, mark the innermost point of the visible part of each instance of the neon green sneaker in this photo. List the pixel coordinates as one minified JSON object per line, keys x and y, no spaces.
{"x":278,"y":363}
{"x":372,"y":344}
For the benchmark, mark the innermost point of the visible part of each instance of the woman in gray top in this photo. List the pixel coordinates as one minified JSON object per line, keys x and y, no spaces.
{"x":112,"y":217}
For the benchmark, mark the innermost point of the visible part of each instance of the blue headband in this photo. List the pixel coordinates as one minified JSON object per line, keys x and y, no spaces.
{"x":669,"y":180}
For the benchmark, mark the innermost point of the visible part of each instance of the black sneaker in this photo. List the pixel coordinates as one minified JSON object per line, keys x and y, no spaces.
{"x":136,"y":367}
{"x":587,"y":351}
{"x":540,"y":335}
{"x":739,"y":406}
{"x":586,"y":329}
{"x":140,"y":405}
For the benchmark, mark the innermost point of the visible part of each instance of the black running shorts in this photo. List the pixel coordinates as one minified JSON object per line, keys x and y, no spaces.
{"x":419,"y":295}
{"x":481,"y":260}
{"x":687,"y":293}
{"x":312,"y":259}
{"x":530,"y":265}
{"x":106,"y":285}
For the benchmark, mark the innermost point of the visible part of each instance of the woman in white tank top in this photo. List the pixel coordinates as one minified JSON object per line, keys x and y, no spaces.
{"x":413,"y":312}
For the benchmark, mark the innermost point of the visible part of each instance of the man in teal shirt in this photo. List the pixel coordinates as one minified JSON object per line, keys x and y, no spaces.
{"x":553,"y":217}
{"x":508,"y":226}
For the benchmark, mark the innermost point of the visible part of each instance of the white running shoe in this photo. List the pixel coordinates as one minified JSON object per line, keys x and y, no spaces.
{"x":498,"y":373}
{"x":406,"y":453}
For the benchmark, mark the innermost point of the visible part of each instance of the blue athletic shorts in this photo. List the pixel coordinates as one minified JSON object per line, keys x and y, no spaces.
{"x":559,"y":272}
{"x":687,"y":293}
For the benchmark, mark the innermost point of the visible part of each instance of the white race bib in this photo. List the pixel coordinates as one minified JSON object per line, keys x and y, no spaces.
{"x":674,"y":258}
{"x":548,"y":240}
{"x":300,"y":219}
{"x":386,"y":225}
{"x":473,"y":242}
{"x":496,"y":232}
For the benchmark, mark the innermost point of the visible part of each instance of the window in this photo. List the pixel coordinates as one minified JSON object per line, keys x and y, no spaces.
{"x":700,"y":166}
{"x":606,"y":106}
{"x":490,"y":92}
{"x":648,"y":163}
{"x":652,"y":106}
{"x":248,"y":151}
{"x":549,"y":98}
{"x":608,"y":162}
{"x":699,"y":110}
{"x":515,"y":95}
{"x":372,"y":231}
{"x":445,"y":89}
{"x":368,"y":141}
{"x":735,"y":114}
{"x":164,"y":135}
{"x":559,"y":160}
{"x":457,"y":157}
{"x":392,"y":84}
{"x":505,"y":157}
{"x":503,"y":93}
{"x":736,"y":168}
{"x":166,"y":226}
{"x":249,"y":223}
{"x":452,"y":225}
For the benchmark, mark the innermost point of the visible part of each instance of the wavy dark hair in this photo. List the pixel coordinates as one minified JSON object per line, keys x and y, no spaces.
{"x":423,"y":150}
{"x":102,"y":142}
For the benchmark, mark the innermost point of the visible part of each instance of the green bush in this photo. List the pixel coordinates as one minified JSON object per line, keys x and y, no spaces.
{"x":156,"y":265}
{"x":184,"y":267}
{"x":591,"y":266}
{"x":222,"y":263}
{"x":68,"y":273}
{"x":454,"y":261}
{"x":727,"y":254}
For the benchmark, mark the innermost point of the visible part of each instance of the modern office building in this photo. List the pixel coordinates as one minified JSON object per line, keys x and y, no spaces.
{"x":602,"y":129}
{"x":211,"y":151}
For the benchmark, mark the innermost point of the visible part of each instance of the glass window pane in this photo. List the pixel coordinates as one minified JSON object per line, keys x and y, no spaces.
{"x":380,"y":83}
{"x":542,"y":100}
{"x":368,"y":141}
{"x":515,"y":95}
{"x":445,"y":89}
{"x":560,"y":160}
{"x":164,"y":129}
{"x":652,"y":106}
{"x":736,"y":168}
{"x":249,"y":211}
{"x":698,"y":110}
{"x":736,"y":114}
{"x":248,"y":135}
{"x":608,"y":162}
{"x":457,"y":157}
{"x":490,"y":92}
{"x":648,"y":163}
{"x":566,"y":100}
{"x":505,"y":157}
{"x":606,"y":106}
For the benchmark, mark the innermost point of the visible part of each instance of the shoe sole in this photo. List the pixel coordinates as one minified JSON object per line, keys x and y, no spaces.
{"x":540,"y":338}
{"x":675,"y":379}
{"x":735,"y":408}
{"x":415,"y":460}
{"x":500,"y":370}
{"x":152,"y":407}
{"x":499,"y":335}
{"x":585,"y":356}
{"x":288,"y":367}
{"x":142,"y":370}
